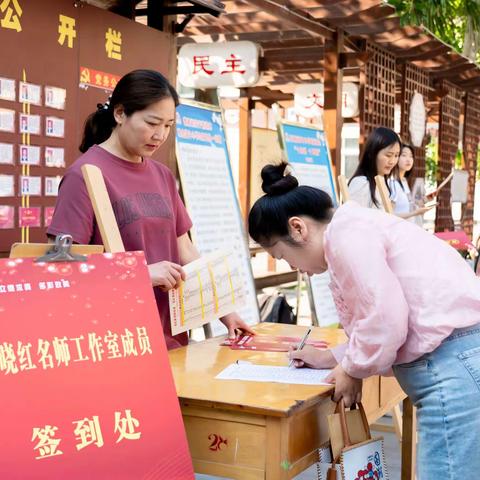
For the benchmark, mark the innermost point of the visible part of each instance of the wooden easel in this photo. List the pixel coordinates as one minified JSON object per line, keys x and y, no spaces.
{"x":384,"y":195}
{"x":343,"y":186}
{"x":107,"y":224}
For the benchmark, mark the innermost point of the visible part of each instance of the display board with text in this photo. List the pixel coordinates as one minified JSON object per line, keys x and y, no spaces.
{"x":209,"y":193}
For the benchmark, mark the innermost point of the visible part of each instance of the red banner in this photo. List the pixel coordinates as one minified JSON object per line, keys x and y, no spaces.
{"x":87,"y":390}
{"x":457,"y":239}
{"x":95,"y":78}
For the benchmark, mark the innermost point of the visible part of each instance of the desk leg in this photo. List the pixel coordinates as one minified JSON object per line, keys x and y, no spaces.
{"x":277,"y":463}
{"x":409,"y":440}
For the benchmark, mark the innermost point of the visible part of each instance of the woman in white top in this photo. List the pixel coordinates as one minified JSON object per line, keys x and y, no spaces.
{"x":400,"y":195}
{"x":379,"y":157}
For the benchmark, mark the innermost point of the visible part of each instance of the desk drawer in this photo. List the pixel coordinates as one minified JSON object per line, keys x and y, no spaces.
{"x":229,"y":439}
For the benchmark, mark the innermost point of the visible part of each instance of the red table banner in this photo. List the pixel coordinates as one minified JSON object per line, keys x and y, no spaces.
{"x":270,"y":343}
{"x":87,"y":390}
{"x":457,"y":239}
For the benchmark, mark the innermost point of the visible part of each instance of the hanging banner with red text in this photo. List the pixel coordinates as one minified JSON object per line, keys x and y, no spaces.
{"x":87,"y":390}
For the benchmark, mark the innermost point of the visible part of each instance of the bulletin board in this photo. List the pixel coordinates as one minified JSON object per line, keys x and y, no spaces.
{"x":61,"y":61}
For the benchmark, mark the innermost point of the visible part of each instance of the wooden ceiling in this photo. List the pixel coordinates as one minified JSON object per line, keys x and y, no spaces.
{"x":292,"y":34}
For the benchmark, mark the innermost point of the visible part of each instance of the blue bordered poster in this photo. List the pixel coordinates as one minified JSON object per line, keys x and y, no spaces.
{"x":307,"y":152}
{"x":209,"y":193}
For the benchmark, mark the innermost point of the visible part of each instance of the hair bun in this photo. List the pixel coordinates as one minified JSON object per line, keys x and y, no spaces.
{"x":275,"y":182}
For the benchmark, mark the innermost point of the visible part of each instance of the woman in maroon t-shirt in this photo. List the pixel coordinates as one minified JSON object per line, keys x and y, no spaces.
{"x":119,"y":138}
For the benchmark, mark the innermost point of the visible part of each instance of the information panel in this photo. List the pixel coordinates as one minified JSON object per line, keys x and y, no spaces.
{"x":209,"y":193}
{"x":307,"y":152}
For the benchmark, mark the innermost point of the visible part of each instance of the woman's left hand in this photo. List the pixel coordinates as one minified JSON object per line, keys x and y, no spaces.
{"x":235,"y":325}
{"x":346,"y":387}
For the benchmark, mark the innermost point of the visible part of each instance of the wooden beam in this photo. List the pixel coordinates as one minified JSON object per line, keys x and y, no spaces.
{"x":294,"y":43}
{"x":372,"y":14}
{"x":471,"y":82}
{"x":445,"y":68}
{"x":245,"y":104}
{"x":375,"y":27}
{"x":260,"y":36}
{"x":425,"y":46}
{"x":264,"y":93}
{"x":279,"y":66}
{"x":292,"y":17}
{"x":454,"y":71}
{"x":332,"y":113}
{"x":295,"y":53}
{"x":354,"y":59}
{"x":434,"y":52}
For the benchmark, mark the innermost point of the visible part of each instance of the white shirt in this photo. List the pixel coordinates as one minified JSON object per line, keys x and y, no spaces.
{"x":359,"y":190}
{"x":400,"y":196}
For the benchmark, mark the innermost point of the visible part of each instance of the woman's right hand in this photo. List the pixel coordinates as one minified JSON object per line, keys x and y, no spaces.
{"x":422,"y":210}
{"x":312,"y":357}
{"x":166,"y":275}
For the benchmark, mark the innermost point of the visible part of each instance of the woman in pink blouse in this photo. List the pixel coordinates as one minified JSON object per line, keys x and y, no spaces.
{"x":406,"y":300}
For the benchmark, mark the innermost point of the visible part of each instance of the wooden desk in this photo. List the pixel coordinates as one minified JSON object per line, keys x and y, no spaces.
{"x":253,"y":430}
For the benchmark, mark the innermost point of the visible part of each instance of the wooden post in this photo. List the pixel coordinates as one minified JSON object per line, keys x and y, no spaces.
{"x":343,"y":187}
{"x":244,"y":166}
{"x":382,"y":189}
{"x":409,"y":440}
{"x":332,"y":81}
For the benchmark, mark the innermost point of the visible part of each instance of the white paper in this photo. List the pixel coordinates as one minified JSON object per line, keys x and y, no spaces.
{"x":7,"y":120}
{"x":277,"y":374}
{"x":6,"y":153}
{"x":7,"y":89}
{"x":29,"y":154}
{"x":7,"y":185}
{"x":54,"y":157}
{"x":213,"y":288}
{"x":217,"y":223}
{"x":55,"y":97}
{"x":325,"y":309}
{"x":30,"y":124}
{"x":30,"y":93}
{"x":30,"y":185}
{"x":54,"y":127}
{"x":51,"y":186}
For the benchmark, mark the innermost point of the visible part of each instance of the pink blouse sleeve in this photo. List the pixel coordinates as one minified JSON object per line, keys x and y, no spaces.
{"x":375,"y":299}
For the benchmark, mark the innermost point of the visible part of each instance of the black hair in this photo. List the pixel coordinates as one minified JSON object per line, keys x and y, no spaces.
{"x":379,"y":139}
{"x":135,"y":91}
{"x":268,"y":218}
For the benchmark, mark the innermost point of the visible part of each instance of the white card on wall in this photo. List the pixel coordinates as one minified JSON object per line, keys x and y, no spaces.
{"x":30,"y":185}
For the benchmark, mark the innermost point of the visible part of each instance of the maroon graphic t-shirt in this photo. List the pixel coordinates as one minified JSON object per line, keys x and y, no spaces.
{"x":147,"y":206}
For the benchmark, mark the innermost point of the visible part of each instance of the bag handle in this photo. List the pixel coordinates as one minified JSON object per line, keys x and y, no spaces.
{"x":340,"y":408}
{"x":343,"y":421}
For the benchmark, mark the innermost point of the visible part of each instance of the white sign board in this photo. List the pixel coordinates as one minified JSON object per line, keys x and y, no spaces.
{"x":211,"y":65}
{"x":309,"y":100}
{"x":322,"y":301}
{"x":459,"y":187}
{"x":209,"y":193}
{"x":417,"y":120}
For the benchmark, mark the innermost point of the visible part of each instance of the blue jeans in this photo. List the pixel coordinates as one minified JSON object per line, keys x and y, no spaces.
{"x":444,"y":385}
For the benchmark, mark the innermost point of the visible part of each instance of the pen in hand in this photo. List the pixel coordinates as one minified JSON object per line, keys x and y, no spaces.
{"x":301,"y":345}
